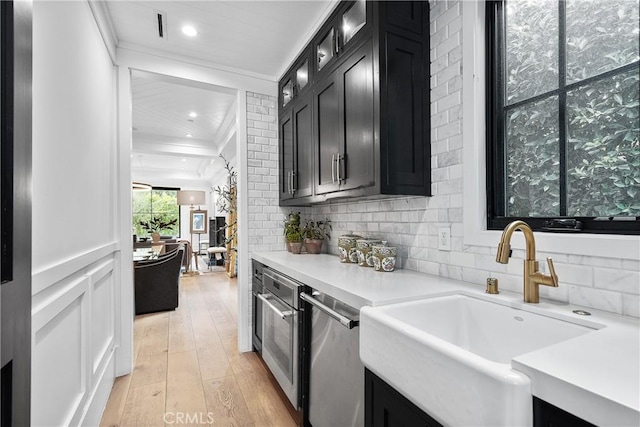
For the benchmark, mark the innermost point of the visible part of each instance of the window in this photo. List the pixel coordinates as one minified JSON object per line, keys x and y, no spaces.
{"x":159,"y":206}
{"x":563,"y":113}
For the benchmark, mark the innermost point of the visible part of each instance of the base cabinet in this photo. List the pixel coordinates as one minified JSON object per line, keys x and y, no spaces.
{"x":547,"y":415}
{"x":386,"y":407}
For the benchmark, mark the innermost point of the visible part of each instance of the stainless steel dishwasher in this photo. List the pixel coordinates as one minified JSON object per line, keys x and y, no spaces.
{"x":335,"y":372}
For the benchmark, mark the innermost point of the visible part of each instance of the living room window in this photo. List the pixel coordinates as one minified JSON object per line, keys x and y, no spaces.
{"x":160,"y":205}
{"x":563,"y":114}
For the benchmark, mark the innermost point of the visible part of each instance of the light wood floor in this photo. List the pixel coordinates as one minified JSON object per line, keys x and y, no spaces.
{"x":188,"y":370}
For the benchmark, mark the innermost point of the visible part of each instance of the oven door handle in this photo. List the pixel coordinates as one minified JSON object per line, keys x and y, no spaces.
{"x":279,"y":278}
{"x":281,"y":314}
{"x":344,"y":320}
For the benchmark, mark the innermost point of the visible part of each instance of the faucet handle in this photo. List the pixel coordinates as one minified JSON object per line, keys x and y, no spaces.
{"x":552,"y":272}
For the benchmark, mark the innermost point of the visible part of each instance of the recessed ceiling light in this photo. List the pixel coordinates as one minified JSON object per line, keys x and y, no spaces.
{"x":193,"y":114}
{"x":188,"y":30}
{"x":184,"y":160}
{"x":189,"y":135}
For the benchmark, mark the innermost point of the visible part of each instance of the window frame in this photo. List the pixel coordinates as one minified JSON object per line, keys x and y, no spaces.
{"x":176,"y":189}
{"x":495,"y":129}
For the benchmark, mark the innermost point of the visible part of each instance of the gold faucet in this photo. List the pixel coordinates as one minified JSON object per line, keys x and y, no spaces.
{"x":532,"y":276}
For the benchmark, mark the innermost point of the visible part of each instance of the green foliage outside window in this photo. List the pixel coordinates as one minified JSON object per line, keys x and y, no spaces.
{"x":597,"y":81}
{"x":157,"y":205}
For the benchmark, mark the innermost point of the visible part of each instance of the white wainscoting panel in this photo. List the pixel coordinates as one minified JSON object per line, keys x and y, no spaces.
{"x":73,"y":339}
{"x":59,"y":358}
{"x":102,"y":312}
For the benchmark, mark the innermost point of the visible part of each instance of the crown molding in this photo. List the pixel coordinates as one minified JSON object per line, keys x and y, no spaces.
{"x":134,"y":47}
{"x":101,"y":15}
{"x":331,"y":6}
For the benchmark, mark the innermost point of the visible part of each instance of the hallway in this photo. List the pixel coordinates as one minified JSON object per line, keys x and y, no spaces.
{"x":188,"y":370}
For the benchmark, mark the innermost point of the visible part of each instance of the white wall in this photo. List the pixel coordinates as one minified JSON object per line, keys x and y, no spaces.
{"x":75,"y":244}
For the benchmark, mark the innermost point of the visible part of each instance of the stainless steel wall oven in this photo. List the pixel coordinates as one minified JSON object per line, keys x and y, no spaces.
{"x":280,"y":331}
{"x":256,"y":289}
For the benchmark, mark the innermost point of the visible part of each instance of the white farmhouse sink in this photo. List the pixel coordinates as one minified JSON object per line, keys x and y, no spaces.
{"x":452,"y":355}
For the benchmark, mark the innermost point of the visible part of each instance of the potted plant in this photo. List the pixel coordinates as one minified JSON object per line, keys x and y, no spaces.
{"x":155,"y":225}
{"x":295,"y":241}
{"x":314,"y":233}
{"x":291,"y":228}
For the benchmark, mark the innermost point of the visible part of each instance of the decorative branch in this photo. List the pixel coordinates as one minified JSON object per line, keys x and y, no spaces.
{"x":225,"y":202}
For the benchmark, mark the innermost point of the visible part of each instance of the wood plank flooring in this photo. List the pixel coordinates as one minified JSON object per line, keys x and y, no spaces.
{"x":188,"y":370}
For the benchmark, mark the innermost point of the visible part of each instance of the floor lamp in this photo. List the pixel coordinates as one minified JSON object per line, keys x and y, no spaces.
{"x":191,"y":198}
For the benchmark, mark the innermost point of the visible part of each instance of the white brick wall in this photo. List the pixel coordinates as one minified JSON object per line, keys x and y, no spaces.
{"x":265,"y":216}
{"x":265,"y":226}
{"x":411,"y":223}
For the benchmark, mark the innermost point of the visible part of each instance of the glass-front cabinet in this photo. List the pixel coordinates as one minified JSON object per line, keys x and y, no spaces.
{"x":341,"y":34}
{"x":296,"y":81}
{"x":353,"y":20}
{"x":325,"y":50}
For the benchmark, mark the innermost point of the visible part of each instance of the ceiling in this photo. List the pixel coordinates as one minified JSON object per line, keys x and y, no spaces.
{"x":255,"y":38}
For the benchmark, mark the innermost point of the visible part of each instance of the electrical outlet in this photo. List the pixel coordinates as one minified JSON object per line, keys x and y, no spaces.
{"x":444,"y":239}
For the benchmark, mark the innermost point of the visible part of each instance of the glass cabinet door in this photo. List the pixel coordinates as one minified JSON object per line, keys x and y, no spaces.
{"x":353,"y":20}
{"x":302,"y":75}
{"x":287,"y":92}
{"x":324,"y":50}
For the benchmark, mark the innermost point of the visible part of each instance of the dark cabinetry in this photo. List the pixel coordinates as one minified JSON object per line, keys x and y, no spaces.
{"x":385,"y":407}
{"x":547,"y":415}
{"x":369,"y":128}
{"x":344,"y":133}
{"x":296,"y":81}
{"x":296,"y":161}
{"x":342,"y":32}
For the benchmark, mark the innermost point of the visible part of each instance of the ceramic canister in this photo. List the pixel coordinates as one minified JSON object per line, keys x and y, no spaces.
{"x":347,"y":247}
{"x":363,"y":249}
{"x":384,"y":258}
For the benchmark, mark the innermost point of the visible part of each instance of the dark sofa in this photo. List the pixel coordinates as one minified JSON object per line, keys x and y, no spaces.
{"x":157,"y":283}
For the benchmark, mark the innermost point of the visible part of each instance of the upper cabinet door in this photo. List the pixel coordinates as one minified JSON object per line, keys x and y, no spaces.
{"x":345,"y":29}
{"x":296,"y":81}
{"x":287,"y":156}
{"x":302,"y":76}
{"x":327,"y":134}
{"x":325,"y":47}
{"x":352,"y":21}
{"x":286,"y":92}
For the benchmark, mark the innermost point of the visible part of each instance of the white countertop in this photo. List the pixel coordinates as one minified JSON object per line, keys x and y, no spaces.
{"x":595,"y":376}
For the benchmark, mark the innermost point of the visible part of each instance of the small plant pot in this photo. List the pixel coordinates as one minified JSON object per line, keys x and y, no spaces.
{"x":296,"y":247}
{"x":314,"y":246}
{"x":155,"y":237}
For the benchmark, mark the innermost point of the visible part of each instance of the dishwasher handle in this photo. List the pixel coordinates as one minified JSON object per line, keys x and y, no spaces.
{"x":281,"y":314}
{"x":344,"y":320}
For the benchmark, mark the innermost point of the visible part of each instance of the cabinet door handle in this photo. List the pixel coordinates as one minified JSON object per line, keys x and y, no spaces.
{"x":333,"y":168}
{"x":290,"y":182}
{"x":337,"y":40}
{"x":293,"y":182}
{"x":338,"y":168}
